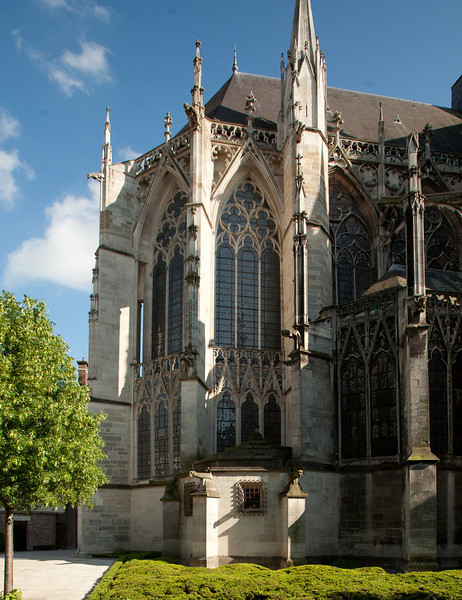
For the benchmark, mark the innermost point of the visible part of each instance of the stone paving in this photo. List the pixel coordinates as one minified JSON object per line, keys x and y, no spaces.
{"x":55,"y":575}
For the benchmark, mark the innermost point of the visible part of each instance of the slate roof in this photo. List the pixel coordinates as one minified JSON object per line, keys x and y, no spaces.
{"x":360,"y":112}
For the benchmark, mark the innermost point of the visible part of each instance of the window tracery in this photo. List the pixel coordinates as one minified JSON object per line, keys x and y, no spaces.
{"x":368,"y":380}
{"x":168,"y":279}
{"x":247,"y":303}
{"x":256,"y":375}
{"x":445,"y":373}
{"x":157,"y":391}
{"x":144,"y":443}
{"x":352,"y":260}
{"x":226,"y":423}
{"x":441,"y":246}
{"x":247,"y":315}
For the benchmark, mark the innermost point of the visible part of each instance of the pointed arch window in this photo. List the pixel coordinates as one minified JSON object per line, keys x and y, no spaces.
{"x":437,"y":377}
{"x":247,"y":286}
{"x":168,"y":279}
{"x":353,"y":409}
{"x":441,"y":245}
{"x":144,"y":443}
{"x":352,"y":259}
{"x":161,"y":455}
{"x":384,"y":418}
{"x":272,"y":421}
{"x":457,"y":405}
{"x":226,"y":423}
{"x":249,"y":418}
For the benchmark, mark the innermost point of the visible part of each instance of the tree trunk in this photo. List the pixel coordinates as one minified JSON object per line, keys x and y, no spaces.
{"x":8,"y":579}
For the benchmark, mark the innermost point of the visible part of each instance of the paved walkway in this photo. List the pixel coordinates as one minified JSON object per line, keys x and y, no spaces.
{"x":55,"y":575}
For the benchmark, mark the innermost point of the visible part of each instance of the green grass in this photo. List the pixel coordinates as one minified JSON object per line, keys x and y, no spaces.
{"x":134,"y":579}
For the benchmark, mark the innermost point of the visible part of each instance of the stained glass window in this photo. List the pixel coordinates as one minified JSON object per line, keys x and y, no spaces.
{"x":441,"y":245}
{"x":353,"y":409}
{"x":168,"y":279}
{"x":438,"y":377}
{"x":352,"y":262}
{"x":226,"y":423}
{"x":247,"y":288}
{"x":384,"y":419}
{"x":177,"y":437}
{"x":161,"y":454}
{"x":457,"y":406}
{"x":144,"y":444}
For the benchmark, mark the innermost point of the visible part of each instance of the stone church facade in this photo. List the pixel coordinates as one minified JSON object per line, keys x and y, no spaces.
{"x":275,"y":327}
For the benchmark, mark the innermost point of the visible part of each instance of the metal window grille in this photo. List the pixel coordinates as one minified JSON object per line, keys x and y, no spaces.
{"x":251,"y":497}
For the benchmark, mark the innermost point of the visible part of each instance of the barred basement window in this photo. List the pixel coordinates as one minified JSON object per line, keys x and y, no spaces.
{"x":250,"y":497}
{"x":188,"y":490}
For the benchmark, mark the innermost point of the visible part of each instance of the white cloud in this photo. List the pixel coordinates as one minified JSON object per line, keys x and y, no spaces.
{"x":81,"y":7}
{"x":10,"y":166}
{"x":72,"y":71}
{"x":67,"y":83}
{"x":65,"y":253}
{"x":126,"y":153}
{"x":9,"y":126}
{"x":92,"y":60}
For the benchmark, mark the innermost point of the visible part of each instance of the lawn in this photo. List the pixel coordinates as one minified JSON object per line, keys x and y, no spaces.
{"x":135,"y":579}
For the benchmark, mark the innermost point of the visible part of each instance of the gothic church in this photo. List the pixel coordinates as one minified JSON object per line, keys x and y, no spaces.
{"x":275,"y":327}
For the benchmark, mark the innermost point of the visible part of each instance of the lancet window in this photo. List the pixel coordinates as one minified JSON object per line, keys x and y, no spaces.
{"x":226,"y":423}
{"x":445,"y":374}
{"x":168,"y":279}
{"x":352,"y":259}
{"x":158,"y":410}
{"x":247,"y":317}
{"x":144,"y":443}
{"x":368,"y":385}
{"x":247,"y":291}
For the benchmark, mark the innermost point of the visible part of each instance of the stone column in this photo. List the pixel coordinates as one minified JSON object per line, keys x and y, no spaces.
{"x":293,"y":501}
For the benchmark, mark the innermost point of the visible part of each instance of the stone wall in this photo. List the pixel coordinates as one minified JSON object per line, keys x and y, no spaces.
{"x":371,"y":521}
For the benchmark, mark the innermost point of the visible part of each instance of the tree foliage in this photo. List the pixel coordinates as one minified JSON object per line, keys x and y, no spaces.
{"x":49,"y":442}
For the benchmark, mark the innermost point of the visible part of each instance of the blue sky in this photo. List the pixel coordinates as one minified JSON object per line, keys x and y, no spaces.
{"x":63,"y":61}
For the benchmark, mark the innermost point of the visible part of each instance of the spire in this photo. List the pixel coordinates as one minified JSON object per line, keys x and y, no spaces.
{"x":235,"y":67}
{"x":303,"y":36}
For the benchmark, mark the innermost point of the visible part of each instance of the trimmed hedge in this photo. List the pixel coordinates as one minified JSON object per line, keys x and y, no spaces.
{"x":161,"y":579}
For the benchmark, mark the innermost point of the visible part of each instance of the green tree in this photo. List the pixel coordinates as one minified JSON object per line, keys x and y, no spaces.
{"x":49,"y":442}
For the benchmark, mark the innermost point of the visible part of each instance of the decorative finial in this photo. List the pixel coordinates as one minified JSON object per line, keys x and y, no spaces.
{"x":107,"y":128}
{"x":235,"y":67}
{"x":250,"y":104}
{"x":380,"y":112}
{"x":168,"y":124}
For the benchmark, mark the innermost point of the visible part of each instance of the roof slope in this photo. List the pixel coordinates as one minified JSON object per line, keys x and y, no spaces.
{"x":360,"y":112}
